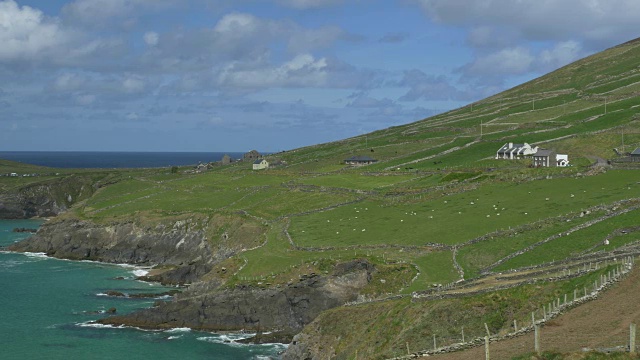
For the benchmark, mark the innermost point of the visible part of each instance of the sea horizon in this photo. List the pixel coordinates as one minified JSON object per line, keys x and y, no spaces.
{"x":114,"y":159}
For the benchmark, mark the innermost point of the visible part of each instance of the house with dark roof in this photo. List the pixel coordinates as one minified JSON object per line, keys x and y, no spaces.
{"x":515,"y":151}
{"x":635,"y":155}
{"x":360,"y":160}
{"x":544,"y":158}
{"x":260,"y":164}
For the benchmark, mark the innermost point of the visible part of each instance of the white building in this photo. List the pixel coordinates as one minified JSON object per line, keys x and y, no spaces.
{"x":515,"y":151}
{"x":562,"y":160}
{"x":260,"y":164}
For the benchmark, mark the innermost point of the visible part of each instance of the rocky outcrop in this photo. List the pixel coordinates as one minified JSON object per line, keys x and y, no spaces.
{"x":180,"y":248}
{"x":286,"y":309}
{"x":44,"y":199}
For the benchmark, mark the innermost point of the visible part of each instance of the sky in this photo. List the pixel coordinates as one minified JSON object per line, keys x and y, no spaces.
{"x":271,"y":75}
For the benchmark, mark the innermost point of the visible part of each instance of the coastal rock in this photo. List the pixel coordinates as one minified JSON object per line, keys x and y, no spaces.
{"x":125,"y":243}
{"x":44,"y":199}
{"x":286,"y":309}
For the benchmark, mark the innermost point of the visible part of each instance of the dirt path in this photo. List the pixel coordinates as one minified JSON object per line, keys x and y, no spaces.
{"x":602,"y":323}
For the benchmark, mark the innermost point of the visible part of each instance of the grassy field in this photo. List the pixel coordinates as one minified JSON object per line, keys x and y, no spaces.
{"x":436,"y":190}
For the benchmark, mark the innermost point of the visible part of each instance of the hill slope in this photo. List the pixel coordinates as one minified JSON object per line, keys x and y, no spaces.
{"x":437,"y":208}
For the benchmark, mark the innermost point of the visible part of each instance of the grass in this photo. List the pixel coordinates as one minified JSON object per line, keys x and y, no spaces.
{"x":589,"y":238}
{"x":458,"y":218}
{"x":382,"y":330}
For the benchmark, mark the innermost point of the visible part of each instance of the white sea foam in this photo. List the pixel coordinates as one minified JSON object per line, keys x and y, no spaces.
{"x":174,"y":337}
{"x":99,"y":326}
{"x":39,"y":255}
{"x":232,"y":340}
{"x":178,"y":330}
{"x":140,"y":272}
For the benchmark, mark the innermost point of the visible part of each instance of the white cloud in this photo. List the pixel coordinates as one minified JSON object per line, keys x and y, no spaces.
{"x":311,"y":39}
{"x":26,"y":34}
{"x":85,"y":99}
{"x":562,"y":54}
{"x":301,"y":71}
{"x":69,"y":82}
{"x":237,"y":23}
{"x":98,"y":12}
{"x":594,"y":20}
{"x":428,"y":87}
{"x":151,"y":38}
{"x":133,"y":84}
{"x":510,"y":61}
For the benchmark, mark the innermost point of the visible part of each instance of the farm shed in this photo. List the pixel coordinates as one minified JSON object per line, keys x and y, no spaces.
{"x":260,"y":164}
{"x":360,"y":160}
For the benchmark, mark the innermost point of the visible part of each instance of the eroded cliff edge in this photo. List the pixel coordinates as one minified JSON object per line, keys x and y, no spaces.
{"x":183,"y":251}
{"x":286,"y":309}
{"x":44,"y":199}
{"x":188,"y":250}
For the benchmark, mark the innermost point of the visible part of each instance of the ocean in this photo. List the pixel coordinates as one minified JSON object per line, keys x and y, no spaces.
{"x":108,"y":160}
{"x":47,"y":306}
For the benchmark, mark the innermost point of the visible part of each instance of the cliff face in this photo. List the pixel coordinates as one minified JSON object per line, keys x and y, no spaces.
{"x":286,"y":309}
{"x":44,"y":199}
{"x":185,"y":250}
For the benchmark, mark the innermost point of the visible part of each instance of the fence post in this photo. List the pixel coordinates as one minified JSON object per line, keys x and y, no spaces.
{"x":533,"y":319}
{"x":575,"y":294}
{"x":434,"y":342}
{"x":536,"y":343}
{"x":463,"y":334}
{"x":487,"y":328}
{"x":408,"y":352}
{"x":515,"y":325}
{"x":632,"y":339}
{"x":486,"y":347}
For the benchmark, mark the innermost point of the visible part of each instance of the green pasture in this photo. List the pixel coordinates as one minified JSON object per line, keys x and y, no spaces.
{"x":357,"y":181}
{"x":458,"y":218}
{"x":435,"y":268}
{"x":475,"y":257}
{"x":589,"y":238}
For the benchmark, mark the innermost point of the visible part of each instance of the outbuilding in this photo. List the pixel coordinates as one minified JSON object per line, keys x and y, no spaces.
{"x":260,"y":164}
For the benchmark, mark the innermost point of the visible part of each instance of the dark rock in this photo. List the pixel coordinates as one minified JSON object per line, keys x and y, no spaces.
{"x":115,"y":293}
{"x":111,"y":310}
{"x":125,"y":243}
{"x":23,"y":230}
{"x":287,"y":309}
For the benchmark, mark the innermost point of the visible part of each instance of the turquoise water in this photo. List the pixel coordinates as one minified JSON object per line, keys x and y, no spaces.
{"x":46,"y":306}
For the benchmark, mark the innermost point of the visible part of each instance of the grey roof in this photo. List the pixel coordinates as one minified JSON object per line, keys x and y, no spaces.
{"x":506,"y":149}
{"x":361,"y":158}
{"x":543,"y":152}
{"x":258,"y":161}
{"x":636,"y":152}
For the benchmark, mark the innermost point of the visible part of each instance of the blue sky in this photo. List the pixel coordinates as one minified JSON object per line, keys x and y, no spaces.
{"x":234,"y":75}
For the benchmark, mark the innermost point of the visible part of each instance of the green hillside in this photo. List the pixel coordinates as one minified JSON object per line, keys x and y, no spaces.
{"x":437,"y":207}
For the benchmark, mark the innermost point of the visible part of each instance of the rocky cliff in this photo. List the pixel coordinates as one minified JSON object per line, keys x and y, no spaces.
{"x":179,"y":247}
{"x":44,"y":199}
{"x":286,"y":309}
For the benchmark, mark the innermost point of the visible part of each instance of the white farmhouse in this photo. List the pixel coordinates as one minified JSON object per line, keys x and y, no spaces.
{"x":515,"y":151}
{"x":260,"y":164}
